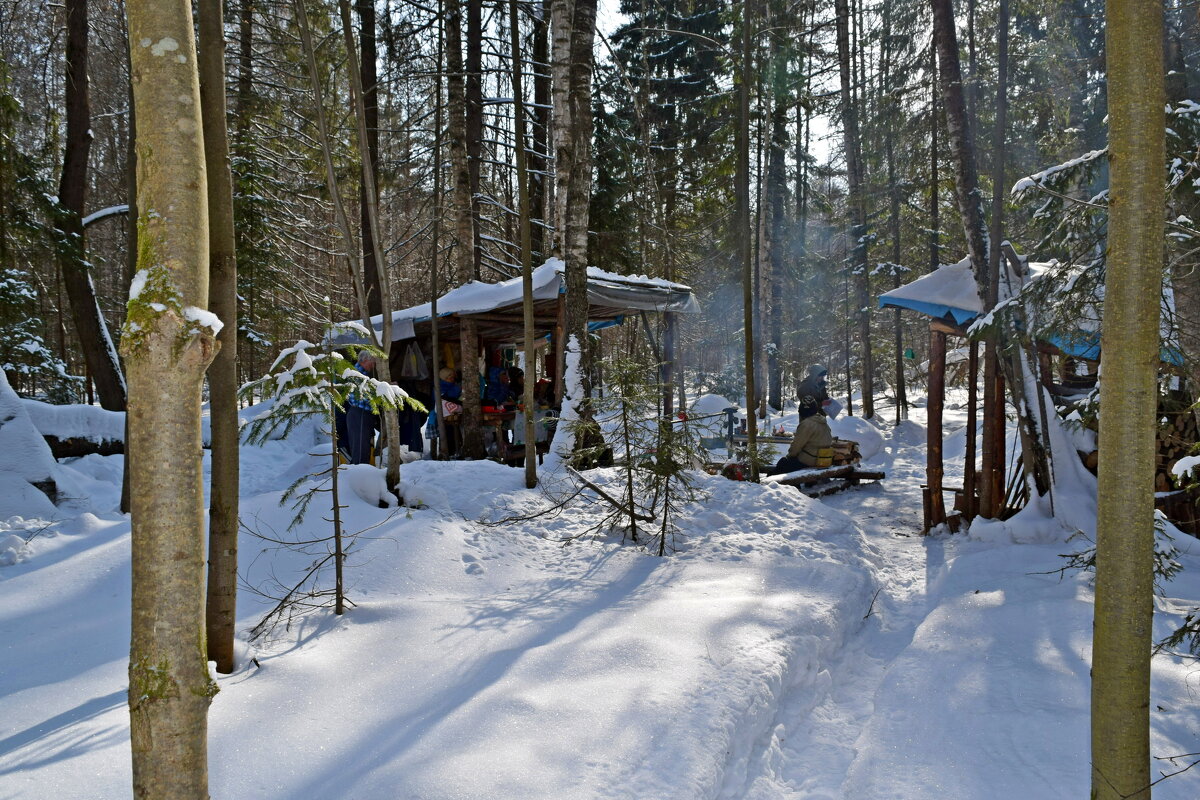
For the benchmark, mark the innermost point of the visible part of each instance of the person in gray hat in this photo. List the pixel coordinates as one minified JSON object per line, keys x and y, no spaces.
{"x":814,"y":386}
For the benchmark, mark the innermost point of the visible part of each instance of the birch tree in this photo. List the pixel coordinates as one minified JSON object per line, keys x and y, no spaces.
{"x":168,"y":343}
{"x":573,"y":30}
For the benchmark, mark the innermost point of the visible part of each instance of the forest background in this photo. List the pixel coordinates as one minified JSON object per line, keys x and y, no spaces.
{"x":665,"y":152}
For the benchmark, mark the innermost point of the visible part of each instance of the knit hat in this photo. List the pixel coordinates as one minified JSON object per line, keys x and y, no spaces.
{"x":807,"y":405}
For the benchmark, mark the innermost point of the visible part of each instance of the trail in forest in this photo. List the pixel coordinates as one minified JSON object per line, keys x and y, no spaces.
{"x":815,"y":739}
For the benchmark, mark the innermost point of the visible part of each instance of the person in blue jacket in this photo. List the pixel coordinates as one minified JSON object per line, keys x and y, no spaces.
{"x":361,"y":421}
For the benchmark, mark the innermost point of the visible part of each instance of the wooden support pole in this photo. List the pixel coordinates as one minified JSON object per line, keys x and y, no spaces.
{"x":970,"y":496}
{"x":999,"y":426}
{"x":936,"y":506}
{"x":560,"y":351}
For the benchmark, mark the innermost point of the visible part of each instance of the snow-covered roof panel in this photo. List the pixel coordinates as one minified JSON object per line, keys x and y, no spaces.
{"x":949,"y":289}
{"x":631,"y":292}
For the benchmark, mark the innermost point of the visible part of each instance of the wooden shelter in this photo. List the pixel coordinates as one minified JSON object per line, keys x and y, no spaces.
{"x":949,"y":296}
{"x":497,"y":311}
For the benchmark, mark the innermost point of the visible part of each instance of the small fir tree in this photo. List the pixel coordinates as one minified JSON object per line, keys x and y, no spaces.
{"x":306,"y":382}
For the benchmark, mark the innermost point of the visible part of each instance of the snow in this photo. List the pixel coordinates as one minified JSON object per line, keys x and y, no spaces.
{"x":105,"y":213}
{"x":707,"y":404}
{"x":790,"y":648}
{"x":76,"y":421}
{"x":138,"y":283}
{"x":477,"y":297}
{"x":1039,"y":178}
{"x":27,"y":459}
{"x":203,"y":318}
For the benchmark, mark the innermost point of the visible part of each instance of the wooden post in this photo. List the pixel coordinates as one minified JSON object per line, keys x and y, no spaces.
{"x":936,"y":508}
{"x":560,"y":350}
{"x":998,"y":423}
{"x":668,"y":364}
{"x":970,"y":495}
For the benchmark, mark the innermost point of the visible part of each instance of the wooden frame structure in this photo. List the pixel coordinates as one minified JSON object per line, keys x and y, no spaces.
{"x":497,"y":310}
{"x":948,"y":295}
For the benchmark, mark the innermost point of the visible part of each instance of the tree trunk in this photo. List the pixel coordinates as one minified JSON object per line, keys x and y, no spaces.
{"x":1128,"y":396}
{"x":526,"y":245}
{"x":391,"y":420}
{"x":221,"y":605}
{"x":991,"y":472}
{"x":539,"y":187}
{"x":167,"y":348}
{"x":970,"y":206}
{"x":894,"y":217}
{"x":98,"y":351}
{"x":368,"y":77}
{"x":242,"y":122}
{"x":474,"y":123}
{"x":745,"y":233}
{"x":777,"y":202}
{"x":472,"y":435}
{"x":131,"y":240}
{"x":573,"y":26}
{"x":857,"y":208}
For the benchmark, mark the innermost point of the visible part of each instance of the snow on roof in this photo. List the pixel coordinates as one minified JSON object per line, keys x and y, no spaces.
{"x":606,"y":288}
{"x":949,"y":289}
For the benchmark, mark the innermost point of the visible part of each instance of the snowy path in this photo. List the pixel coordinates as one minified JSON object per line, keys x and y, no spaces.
{"x":813,"y":743}
{"x":790,"y":649}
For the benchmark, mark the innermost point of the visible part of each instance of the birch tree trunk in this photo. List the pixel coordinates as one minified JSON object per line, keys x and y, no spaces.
{"x":1128,"y":399}
{"x":573,"y":29}
{"x":98,"y":351}
{"x":167,"y":347}
{"x":221,"y":603}
{"x":474,"y":124}
{"x":526,"y":244}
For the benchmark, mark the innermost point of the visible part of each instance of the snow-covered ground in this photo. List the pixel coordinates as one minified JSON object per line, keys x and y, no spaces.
{"x":790,"y":648}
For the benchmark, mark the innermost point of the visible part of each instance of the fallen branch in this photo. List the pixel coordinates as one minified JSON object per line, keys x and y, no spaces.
{"x":612,"y":501}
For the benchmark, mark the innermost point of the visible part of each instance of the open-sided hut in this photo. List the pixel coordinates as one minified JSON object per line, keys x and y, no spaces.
{"x":1068,"y":362}
{"x":497,"y":311}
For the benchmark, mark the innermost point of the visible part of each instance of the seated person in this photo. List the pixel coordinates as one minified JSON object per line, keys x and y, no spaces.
{"x":543,"y":393}
{"x":811,"y":437}
{"x":447,"y":385}
{"x":498,"y":392}
{"x":516,"y":384}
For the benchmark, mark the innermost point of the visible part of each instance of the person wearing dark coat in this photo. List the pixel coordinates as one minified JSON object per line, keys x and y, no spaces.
{"x":814,"y":385}
{"x":361,"y":420}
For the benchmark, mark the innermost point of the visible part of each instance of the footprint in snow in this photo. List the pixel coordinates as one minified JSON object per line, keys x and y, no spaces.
{"x":472,"y":566}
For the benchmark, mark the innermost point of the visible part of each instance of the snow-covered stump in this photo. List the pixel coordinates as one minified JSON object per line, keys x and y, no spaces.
{"x":27,"y":479}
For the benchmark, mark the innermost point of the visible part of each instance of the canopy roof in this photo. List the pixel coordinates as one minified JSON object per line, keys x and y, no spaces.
{"x":950,"y":292}
{"x":497,"y":307}
{"x":947,"y":291}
